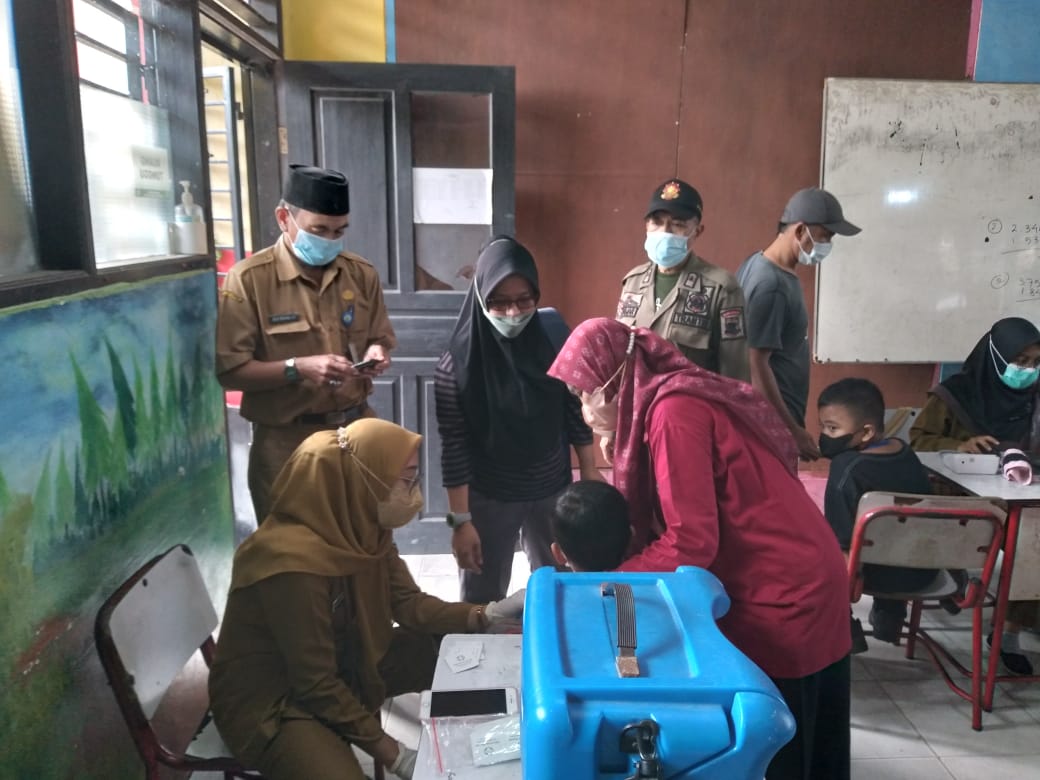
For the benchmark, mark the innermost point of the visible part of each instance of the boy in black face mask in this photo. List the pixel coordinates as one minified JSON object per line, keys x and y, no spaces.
{"x":852,"y":414}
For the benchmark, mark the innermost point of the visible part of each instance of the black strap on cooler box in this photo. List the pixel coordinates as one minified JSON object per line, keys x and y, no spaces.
{"x":625,"y":660}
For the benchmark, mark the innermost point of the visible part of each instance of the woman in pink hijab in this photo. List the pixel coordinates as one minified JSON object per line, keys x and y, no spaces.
{"x":709,"y":472}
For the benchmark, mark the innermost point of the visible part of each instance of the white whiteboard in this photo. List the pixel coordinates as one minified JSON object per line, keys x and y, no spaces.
{"x":944,"y":179}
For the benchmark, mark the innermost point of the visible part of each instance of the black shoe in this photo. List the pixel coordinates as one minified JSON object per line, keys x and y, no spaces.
{"x":888,"y":627}
{"x":859,"y":641}
{"x":950,"y":606}
{"x":1016,"y":663}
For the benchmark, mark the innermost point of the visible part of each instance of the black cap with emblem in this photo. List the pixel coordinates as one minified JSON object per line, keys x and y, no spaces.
{"x":677,"y":198}
{"x":321,"y":190}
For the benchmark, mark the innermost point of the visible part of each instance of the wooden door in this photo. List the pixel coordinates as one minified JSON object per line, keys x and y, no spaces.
{"x":429,"y":151}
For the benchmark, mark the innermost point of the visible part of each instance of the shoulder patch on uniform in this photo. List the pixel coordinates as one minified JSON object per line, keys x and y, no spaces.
{"x":733,"y":323}
{"x":628,"y":305}
{"x":224,"y":293}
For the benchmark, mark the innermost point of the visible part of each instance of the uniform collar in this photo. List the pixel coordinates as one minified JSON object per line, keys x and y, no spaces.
{"x":688,"y":265}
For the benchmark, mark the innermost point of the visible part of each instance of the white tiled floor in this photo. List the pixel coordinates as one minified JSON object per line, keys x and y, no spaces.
{"x":906,"y":724}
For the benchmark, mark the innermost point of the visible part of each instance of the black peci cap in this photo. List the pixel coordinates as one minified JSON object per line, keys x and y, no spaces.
{"x":677,"y":198}
{"x":320,"y":190}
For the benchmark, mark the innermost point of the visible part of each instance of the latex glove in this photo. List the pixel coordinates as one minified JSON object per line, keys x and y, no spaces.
{"x":508,"y":609}
{"x":404,"y":766}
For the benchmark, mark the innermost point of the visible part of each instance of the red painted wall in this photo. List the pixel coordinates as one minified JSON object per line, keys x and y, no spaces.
{"x":610,"y":102}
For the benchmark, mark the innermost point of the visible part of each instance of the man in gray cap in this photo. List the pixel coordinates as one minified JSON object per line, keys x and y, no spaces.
{"x":293,"y":320}
{"x":697,"y":306}
{"x":777,"y":318}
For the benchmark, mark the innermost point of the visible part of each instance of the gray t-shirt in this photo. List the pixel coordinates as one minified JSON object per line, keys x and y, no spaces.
{"x":777,"y":320}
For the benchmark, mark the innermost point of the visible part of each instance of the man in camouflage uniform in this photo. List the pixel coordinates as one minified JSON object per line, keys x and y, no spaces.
{"x":697,"y":306}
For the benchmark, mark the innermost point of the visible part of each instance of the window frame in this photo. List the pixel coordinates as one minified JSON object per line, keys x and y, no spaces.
{"x":45,"y":46}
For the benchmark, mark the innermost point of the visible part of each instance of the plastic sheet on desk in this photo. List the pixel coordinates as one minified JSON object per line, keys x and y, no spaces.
{"x":475,"y":747}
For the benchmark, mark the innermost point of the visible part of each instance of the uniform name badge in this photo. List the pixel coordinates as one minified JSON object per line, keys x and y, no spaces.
{"x":347,"y":318}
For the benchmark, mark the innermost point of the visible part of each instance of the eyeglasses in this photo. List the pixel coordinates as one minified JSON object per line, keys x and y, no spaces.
{"x":503,"y":305}
{"x":412,"y":481}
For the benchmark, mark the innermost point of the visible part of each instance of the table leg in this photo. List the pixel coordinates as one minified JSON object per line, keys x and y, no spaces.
{"x":1000,"y":608}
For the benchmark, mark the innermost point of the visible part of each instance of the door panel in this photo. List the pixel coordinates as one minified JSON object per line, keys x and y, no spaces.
{"x":354,"y":133}
{"x":377,"y":123}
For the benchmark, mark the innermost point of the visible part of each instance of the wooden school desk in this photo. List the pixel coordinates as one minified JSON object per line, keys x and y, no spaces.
{"x":1021,"y":539}
{"x":500,"y":667}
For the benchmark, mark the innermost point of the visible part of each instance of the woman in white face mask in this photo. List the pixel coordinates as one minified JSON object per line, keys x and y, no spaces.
{"x":505,"y":425}
{"x":308,"y":648}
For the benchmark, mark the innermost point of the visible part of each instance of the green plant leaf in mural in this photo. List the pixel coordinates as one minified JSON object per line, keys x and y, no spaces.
{"x":5,"y":495}
{"x":118,"y":466}
{"x":155,"y":425}
{"x":124,"y":399}
{"x":64,"y":499}
{"x":96,"y":447}
{"x":143,"y":424}
{"x":42,"y":509}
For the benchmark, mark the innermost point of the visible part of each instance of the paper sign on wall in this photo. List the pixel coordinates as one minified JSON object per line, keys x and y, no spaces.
{"x":151,"y":171}
{"x":451,"y":196}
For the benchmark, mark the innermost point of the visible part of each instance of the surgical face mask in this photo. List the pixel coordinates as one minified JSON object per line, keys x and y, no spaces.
{"x":820,"y":249}
{"x":315,"y":250}
{"x":403,"y":503}
{"x":509,"y":325}
{"x":1014,"y":376}
{"x":666,"y":250}
{"x":1019,"y":377}
{"x":832,"y":446}
{"x":599,"y":413}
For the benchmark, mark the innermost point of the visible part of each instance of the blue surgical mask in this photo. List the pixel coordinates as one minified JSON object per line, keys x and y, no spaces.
{"x":1019,"y":377}
{"x":666,"y":250}
{"x":1014,"y":376}
{"x":315,"y":250}
{"x":820,"y":249}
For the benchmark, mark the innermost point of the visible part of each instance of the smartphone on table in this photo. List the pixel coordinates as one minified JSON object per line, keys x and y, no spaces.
{"x":460,"y":703}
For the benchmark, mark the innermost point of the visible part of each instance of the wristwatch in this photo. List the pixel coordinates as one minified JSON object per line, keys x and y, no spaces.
{"x":457,"y":519}
{"x":292,"y":373}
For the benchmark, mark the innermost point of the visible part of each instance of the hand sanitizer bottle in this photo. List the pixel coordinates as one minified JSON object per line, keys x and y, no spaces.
{"x":188,"y":229}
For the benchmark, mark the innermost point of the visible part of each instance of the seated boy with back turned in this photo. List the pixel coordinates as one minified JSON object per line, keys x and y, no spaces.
{"x":852,"y":423}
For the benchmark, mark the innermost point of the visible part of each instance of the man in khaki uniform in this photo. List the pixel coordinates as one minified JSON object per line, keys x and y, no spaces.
{"x":697,"y":306}
{"x":293,"y":320}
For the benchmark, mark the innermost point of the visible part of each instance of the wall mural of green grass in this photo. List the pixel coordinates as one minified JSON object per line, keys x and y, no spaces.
{"x":112,"y":449}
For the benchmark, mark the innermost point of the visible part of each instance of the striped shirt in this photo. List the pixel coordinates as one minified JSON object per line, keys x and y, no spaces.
{"x":463,"y":462}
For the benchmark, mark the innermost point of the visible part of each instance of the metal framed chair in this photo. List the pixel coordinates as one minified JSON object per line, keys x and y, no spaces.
{"x":933,"y":532}
{"x":146,"y":633}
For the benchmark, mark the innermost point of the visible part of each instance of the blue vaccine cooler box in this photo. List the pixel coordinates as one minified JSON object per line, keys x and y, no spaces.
{"x":626,"y":675}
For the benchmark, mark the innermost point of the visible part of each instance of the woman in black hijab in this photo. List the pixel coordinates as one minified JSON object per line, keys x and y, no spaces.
{"x":989,"y":406}
{"x":505,"y":425}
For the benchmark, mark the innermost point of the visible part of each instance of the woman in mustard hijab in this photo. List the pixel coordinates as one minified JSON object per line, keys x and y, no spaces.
{"x":308,"y":649}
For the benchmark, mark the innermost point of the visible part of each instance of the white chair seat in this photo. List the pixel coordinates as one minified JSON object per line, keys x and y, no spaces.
{"x":208,"y":743}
